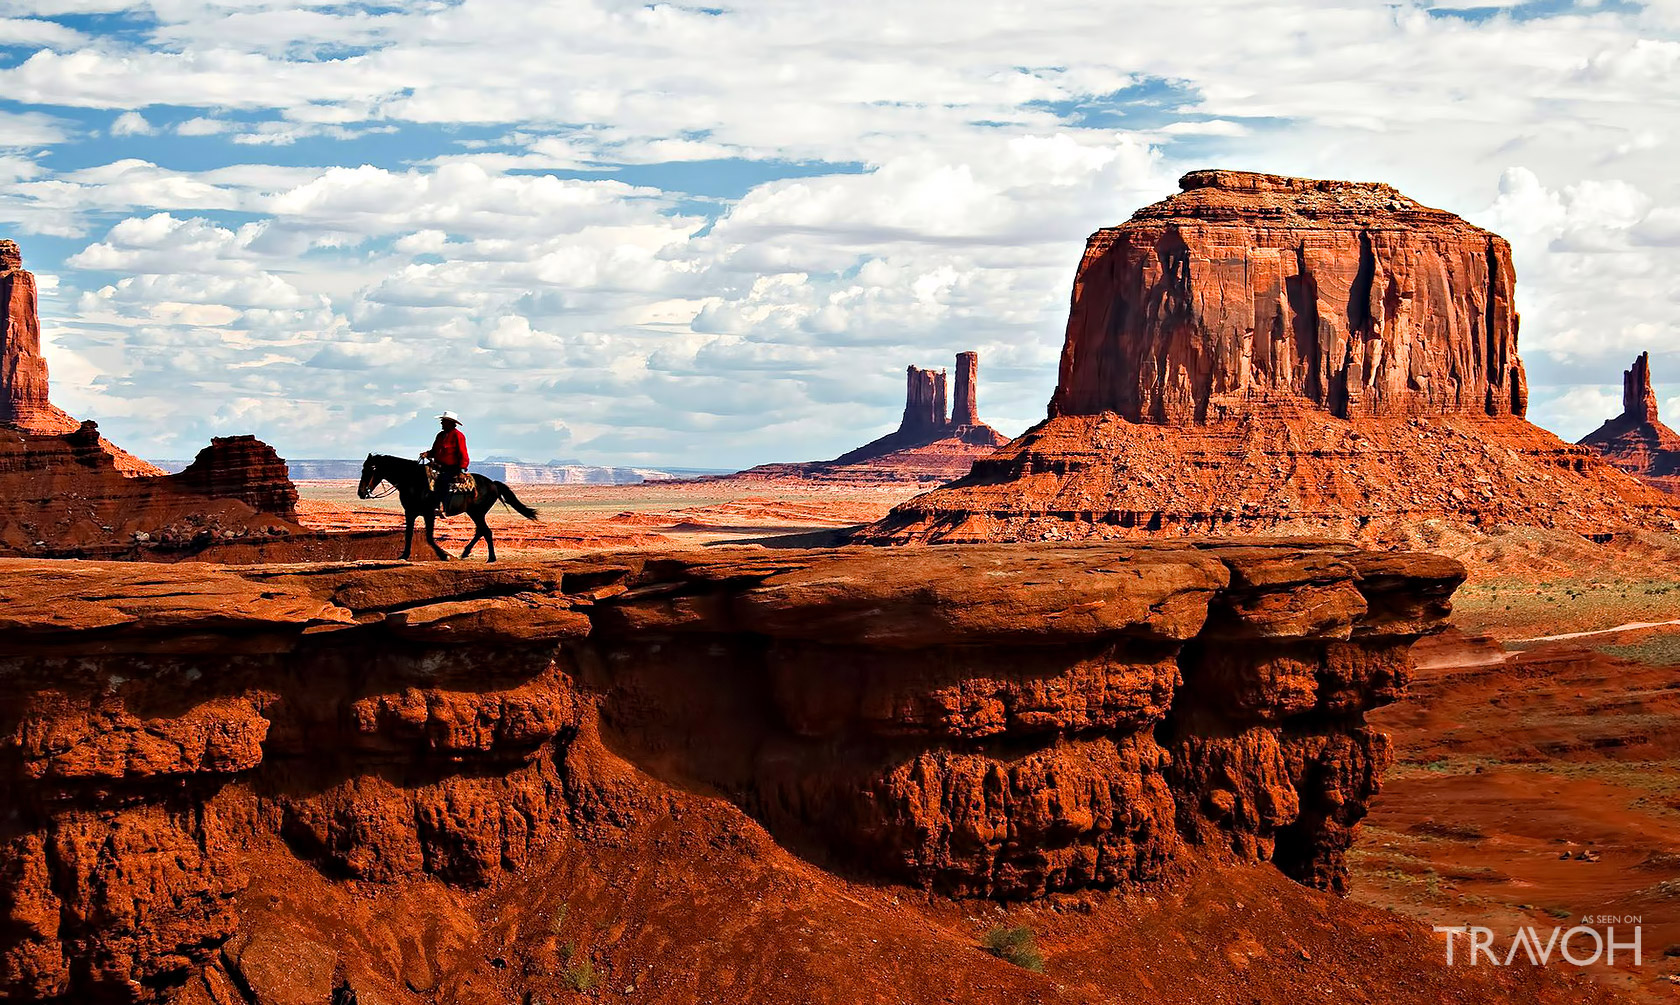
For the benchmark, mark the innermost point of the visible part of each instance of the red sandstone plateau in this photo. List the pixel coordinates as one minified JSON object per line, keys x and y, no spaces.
{"x":814,"y":776}
{"x":933,"y":442}
{"x":1284,"y":355}
{"x":1636,"y":441}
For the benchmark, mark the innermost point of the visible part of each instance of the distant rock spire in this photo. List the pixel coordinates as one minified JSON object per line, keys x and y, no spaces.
{"x":23,"y":370}
{"x":1638,"y":400}
{"x":965,"y":410}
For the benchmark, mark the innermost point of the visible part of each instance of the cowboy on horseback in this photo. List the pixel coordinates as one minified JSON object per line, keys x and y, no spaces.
{"x":448,"y":493}
{"x":448,"y":457}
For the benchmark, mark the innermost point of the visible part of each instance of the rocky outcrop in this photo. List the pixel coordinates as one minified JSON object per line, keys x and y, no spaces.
{"x":63,"y":496}
{"x":1636,"y":441}
{"x":1249,"y":286}
{"x":243,"y":468}
{"x":23,"y":370}
{"x":927,"y":423}
{"x":993,"y":721}
{"x":65,"y":491}
{"x":1285,"y":355}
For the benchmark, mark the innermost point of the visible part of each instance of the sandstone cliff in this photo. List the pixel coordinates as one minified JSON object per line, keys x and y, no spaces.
{"x":1636,"y":441}
{"x":66,"y":491}
{"x":199,"y":764}
{"x":1285,"y":355}
{"x":1349,"y":296}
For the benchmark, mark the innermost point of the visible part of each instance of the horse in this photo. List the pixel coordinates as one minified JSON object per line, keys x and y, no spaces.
{"x":409,"y":479}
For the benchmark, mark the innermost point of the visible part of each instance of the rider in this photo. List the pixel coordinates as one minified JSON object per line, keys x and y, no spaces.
{"x":448,"y":455}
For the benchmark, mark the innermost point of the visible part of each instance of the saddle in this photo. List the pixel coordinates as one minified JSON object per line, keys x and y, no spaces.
{"x":460,"y":490}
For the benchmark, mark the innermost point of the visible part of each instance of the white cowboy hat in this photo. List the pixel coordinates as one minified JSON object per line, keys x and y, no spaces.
{"x":452,"y":417}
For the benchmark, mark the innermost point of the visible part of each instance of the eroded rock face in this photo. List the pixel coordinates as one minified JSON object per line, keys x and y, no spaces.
{"x":1284,"y":355}
{"x":243,"y":468}
{"x":23,"y":370}
{"x":65,"y":496}
{"x":1637,"y":441}
{"x":1349,"y":296}
{"x":990,"y":721}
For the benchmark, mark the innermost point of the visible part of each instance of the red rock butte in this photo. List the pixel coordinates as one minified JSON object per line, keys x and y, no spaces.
{"x":1244,"y":287}
{"x":1260,"y":352}
{"x":1636,"y":441}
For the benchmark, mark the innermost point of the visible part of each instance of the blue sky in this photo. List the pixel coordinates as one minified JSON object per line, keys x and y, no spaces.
{"x":714,"y":236}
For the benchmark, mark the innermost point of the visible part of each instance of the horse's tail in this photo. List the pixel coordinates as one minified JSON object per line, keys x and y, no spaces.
{"x":507,"y":497}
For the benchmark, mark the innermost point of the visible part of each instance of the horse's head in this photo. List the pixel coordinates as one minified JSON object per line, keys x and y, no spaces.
{"x":370,"y":478}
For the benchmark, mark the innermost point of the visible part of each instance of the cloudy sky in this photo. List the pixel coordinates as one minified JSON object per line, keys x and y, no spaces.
{"x":715,"y":235}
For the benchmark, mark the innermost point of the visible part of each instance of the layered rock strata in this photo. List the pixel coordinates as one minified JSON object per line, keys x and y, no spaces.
{"x":1269,"y":354}
{"x":1636,"y":441}
{"x":992,"y":721}
{"x":65,"y":491}
{"x":243,"y":468}
{"x":63,"y":496}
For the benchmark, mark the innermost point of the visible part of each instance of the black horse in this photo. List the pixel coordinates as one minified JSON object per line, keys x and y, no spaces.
{"x":409,"y":479}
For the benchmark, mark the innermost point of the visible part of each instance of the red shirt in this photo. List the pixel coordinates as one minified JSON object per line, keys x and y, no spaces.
{"x":450,"y":449}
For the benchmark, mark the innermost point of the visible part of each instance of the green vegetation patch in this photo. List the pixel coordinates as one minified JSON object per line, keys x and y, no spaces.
{"x":1014,"y":944}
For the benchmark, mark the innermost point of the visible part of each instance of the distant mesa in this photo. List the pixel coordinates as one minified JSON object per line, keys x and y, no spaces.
{"x":936,"y":439}
{"x":1265,"y":354}
{"x":1635,"y":441}
{"x":65,"y":491}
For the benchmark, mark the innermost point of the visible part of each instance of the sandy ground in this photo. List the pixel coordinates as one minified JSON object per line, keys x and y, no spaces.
{"x":650,"y":515}
{"x":1538,"y":785}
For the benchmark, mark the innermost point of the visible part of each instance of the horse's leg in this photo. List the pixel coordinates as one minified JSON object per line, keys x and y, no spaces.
{"x":478,"y":523}
{"x":489,"y":538}
{"x":431,"y":535}
{"x":408,"y":539}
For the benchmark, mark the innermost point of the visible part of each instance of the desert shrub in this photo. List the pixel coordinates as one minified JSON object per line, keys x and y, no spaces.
{"x":578,"y":973}
{"x":1014,"y":944}
{"x":580,"y":976}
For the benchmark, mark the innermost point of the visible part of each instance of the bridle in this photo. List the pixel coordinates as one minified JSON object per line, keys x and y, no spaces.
{"x":370,"y":481}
